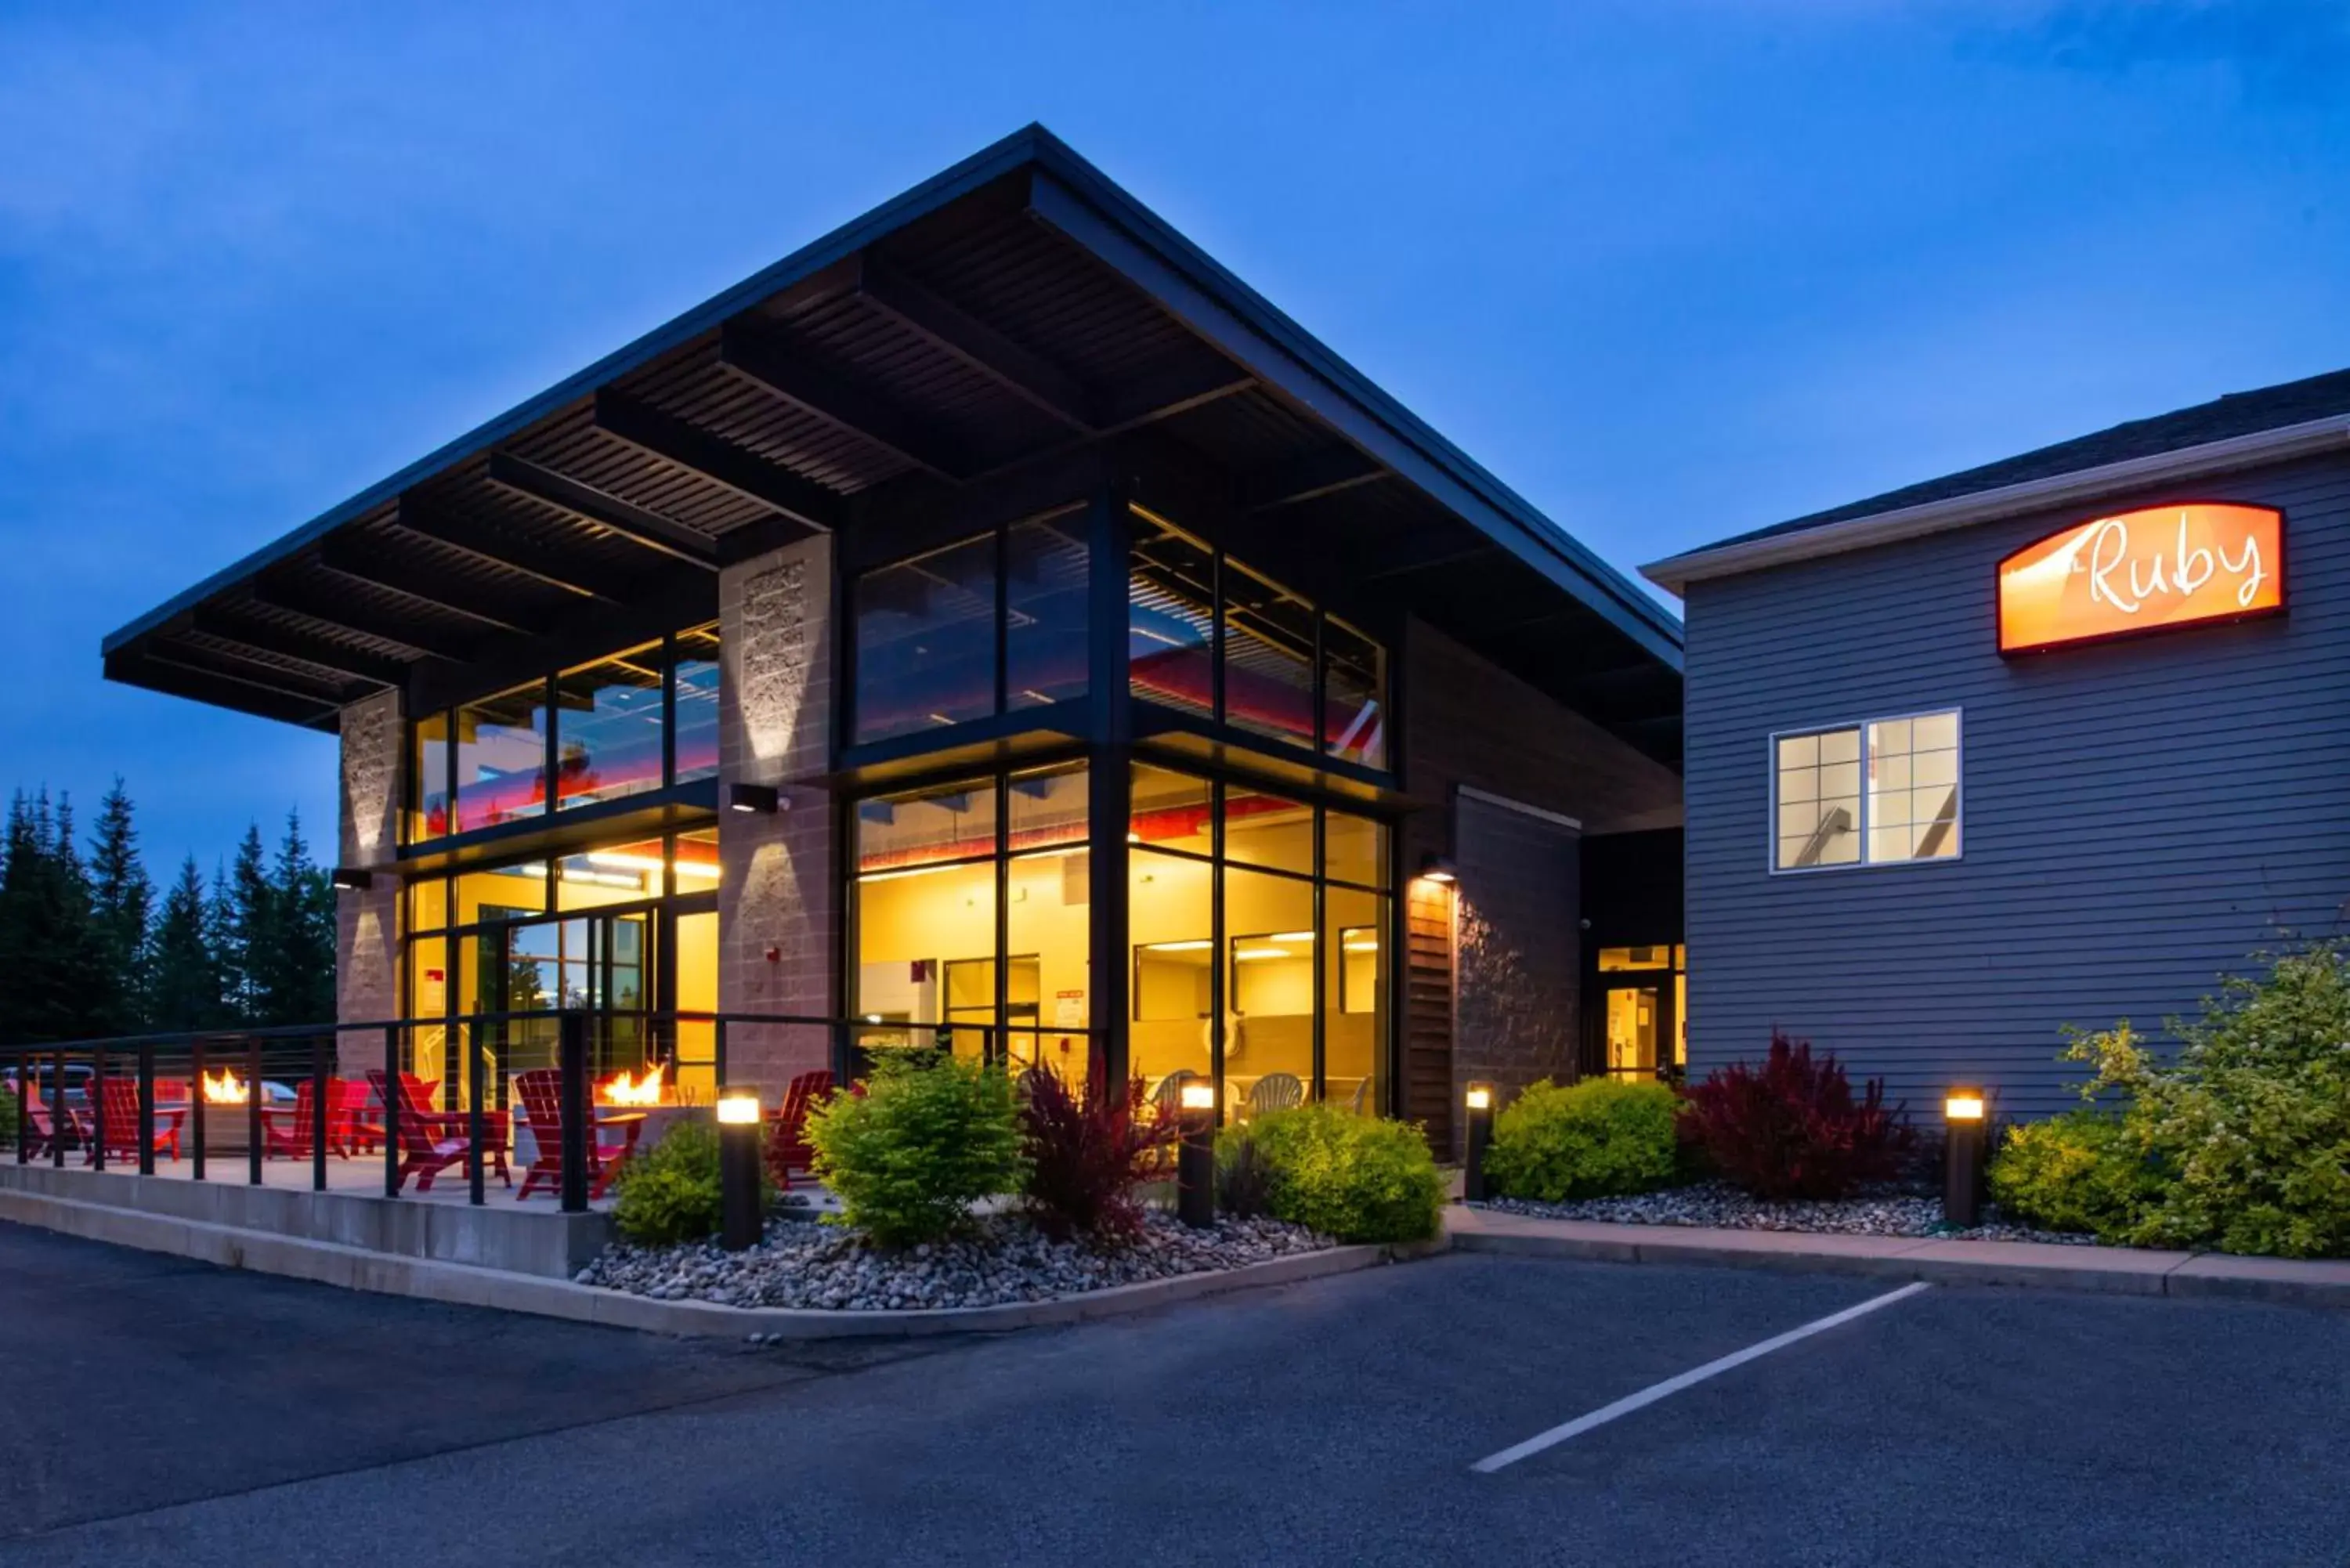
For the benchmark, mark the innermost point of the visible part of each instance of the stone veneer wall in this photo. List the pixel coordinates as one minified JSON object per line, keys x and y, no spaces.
{"x":367,"y":921}
{"x":780,"y":888}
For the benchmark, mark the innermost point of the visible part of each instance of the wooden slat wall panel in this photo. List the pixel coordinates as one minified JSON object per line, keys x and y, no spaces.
{"x":1428,"y":1011}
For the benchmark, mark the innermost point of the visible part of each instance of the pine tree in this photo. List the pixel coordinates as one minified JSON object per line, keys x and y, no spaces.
{"x":252,"y":953}
{"x":120,"y":898}
{"x":223,"y":941}
{"x":49,"y":947}
{"x":295,"y":974}
{"x":184,"y":988}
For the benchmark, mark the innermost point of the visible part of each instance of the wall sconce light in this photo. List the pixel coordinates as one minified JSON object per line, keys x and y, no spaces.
{"x":1439,"y":868}
{"x":1195,"y":1157}
{"x":1964,"y":1124}
{"x":754,"y":797}
{"x":349,"y":878}
{"x":1480,"y":1099}
{"x":740,"y":1223}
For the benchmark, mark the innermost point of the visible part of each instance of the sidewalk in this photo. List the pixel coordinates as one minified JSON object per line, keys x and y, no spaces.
{"x":2030,"y":1263}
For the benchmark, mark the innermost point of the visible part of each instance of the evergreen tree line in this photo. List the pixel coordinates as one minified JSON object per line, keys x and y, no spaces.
{"x":89,"y":950}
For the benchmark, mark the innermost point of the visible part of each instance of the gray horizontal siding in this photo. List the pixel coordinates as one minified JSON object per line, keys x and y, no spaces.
{"x":2138,"y":817}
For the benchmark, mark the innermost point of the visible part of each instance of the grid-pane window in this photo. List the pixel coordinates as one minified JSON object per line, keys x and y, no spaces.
{"x":1913,"y":788}
{"x":1879,"y":792}
{"x":1354,"y":698}
{"x":1268,"y":657}
{"x":607,"y":728}
{"x":696,"y":722}
{"x":1819,"y":800}
{"x":1045,"y":562}
{"x":926,"y":641}
{"x":1170,"y":618}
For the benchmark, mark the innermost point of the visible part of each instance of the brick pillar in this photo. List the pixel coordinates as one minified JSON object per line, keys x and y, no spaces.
{"x":367,"y":920}
{"x":780,"y":890}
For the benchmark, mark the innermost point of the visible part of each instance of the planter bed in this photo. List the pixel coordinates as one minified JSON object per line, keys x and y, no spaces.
{"x":1004,"y":1259}
{"x":1716,"y":1205}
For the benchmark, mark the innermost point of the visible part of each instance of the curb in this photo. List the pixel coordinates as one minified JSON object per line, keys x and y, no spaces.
{"x":464,"y":1284}
{"x":2024,"y":1264}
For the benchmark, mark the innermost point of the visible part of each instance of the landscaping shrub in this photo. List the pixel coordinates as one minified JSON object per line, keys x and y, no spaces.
{"x":2082,"y":1171}
{"x":7,"y":1122}
{"x":1243,"y":1177}
{"x":1597,"y":1138}
{"x":930,"y":1136}
{"x":1354,"y":1178}
{"x":1792,"y":1127}
{"x":670,"y":1192}
{"x":2247,"y":1132}
{"x":1089,"y":1151}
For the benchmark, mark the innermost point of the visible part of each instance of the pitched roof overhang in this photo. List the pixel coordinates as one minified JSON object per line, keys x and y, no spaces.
{"x":1012,"y":311}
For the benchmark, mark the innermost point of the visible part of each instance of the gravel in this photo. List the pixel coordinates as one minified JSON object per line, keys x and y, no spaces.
{"x":1004,"y":1258}
{"x":1884,"y":1212}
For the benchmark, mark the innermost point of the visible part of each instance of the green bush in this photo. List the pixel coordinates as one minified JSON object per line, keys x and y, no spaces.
{"x":671,"y":1193}
{"x":7,"y":1122}
{"x":2083,"y":1171}
{"x":930,"y":1136}
{"x":1598,"y":1139}
{"x":1354,"y":1178}
{"x":2247,"y":1131}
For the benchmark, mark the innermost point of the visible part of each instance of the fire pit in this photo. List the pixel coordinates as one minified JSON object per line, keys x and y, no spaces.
{"x":221,"y":1099}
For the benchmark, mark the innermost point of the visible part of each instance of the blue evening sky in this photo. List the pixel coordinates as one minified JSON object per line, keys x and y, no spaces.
{"x":1671,"y":268}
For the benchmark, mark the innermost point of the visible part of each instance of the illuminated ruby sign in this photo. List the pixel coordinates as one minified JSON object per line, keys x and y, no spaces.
{"x":2142,"y":571}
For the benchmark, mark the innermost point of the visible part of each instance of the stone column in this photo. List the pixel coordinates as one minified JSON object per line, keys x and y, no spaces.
{"x":367,"y":920}
{"x":778,"y":902}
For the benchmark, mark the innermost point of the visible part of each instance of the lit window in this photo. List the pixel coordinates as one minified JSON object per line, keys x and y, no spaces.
{"x":1879,"y":792}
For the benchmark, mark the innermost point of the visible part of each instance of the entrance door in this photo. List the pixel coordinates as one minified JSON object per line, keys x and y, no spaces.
{"x":600,"y":962}
{"x":1640,"y":1000}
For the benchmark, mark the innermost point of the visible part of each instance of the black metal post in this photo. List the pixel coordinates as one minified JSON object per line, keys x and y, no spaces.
{"x":318,"y":1112}
{"x":146,"y":1111}
{"x":1480,"y":1134}
{"x":717,"y":1049}
{"x":1962,"y":1162}
{"x":254,"y":1140}
{"x":58,"y":1121}
{"x":475,"y":1122}
{"x":740,"y":1223}
{"x":24,"y":1109}
{"x":391,"y":1098}
{"x":571,"y":1044}
{"x":196,"y":1102}
{"x":97,"y":1110}
{"x":1195,"y":1158}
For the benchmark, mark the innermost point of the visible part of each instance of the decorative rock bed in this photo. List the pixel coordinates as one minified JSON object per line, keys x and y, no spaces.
{"x":1884,"y":1212}
{"x":1005,"y":1259}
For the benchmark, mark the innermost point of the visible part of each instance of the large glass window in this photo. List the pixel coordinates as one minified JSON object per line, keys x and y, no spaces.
{"x":926,"y":641}
{"x":429,"y":762}
{"x":1045,"y":595}
{"x":1171,"y":616}
{"x":608,"y":723}
{"x":1268,"y":657}
{"x":695,"y":657}
{"x":1879,"y":792}
{"x":502,"y":758}
{"x":1355,"y":685}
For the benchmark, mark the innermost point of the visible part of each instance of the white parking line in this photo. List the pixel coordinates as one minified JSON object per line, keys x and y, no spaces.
{"x":1689,"y":1379}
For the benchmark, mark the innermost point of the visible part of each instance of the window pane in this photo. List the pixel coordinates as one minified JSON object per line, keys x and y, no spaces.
{"x":429,"y":757}
{"x":696,"y":865}
{"x":1049,"y":923}
{"x":1819,"y":800}
{"x":1048,"y":807}
{"x":926,"y":641}
{"x":1170,"y":811}
{"x":427,"y":904}
{"x":1268,"y":657}
{"x":1355,"y":989}
{"x":1170,"y":916}
{"x":1171,"y":595}
{"x":1614,"y":959}
{"x":1044,"y":591}
{"x":697,"y":991}
{"x":697,"y":703}
{"x":1354,"y":849}
{"x":607,"y":728}
{"x":1913,"y":794}
{"x":500,"y":894}
{"x":926,"y":828}
{"x":622,"y":874}
{"x":1268,"y":1022}
{"x":1354,"y":688}
{"x":1262,"y":829}
{"x":925,"y":948}
{"x":502,"y":758}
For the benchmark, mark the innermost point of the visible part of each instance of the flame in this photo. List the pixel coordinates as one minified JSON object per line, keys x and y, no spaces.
{"x":621,"y":1089}
{"x":225,"y":1089}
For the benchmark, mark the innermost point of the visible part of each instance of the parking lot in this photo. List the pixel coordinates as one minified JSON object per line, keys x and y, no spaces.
{"x":156,"y":1410}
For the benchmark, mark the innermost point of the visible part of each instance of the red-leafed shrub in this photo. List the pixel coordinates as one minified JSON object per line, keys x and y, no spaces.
{"x":1791,"y":1128}
{"x":1089,"y":1151}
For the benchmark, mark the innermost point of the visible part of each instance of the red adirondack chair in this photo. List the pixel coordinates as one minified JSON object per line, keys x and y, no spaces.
{"x":541,"y":1091}
{"x":432,"y":1141}
{"x":787,"y":1146}
{"x":119,"y":1096}
{"x":288,"y":1132}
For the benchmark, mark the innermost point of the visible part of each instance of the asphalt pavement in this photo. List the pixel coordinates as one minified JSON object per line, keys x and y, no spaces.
{"x":152,"y":1410}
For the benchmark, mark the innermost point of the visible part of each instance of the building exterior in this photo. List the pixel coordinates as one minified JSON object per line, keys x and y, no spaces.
{"x":2057,"y":741}
{"x":994,"y":619}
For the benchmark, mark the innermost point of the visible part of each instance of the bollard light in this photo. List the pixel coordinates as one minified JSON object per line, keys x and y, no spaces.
{"x":740,"y":1223}
{"x":1195,"y":1157}
{"x":1481,"y":1132}
{"x":1963,"y":1157}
